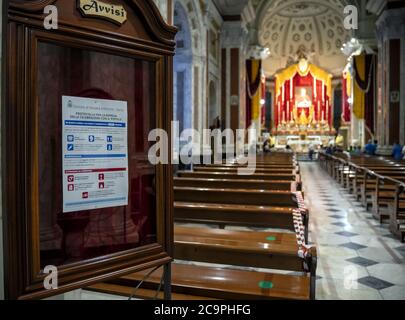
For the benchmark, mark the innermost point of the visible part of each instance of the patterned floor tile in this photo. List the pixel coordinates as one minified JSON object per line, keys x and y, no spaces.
{"x":333,"y":210}
{"x":402,"y":248}
{"x":336,"y":216}
{"x":339,"y":224}
{"x":346,"y":234}
{"x":352,"y":245}
{"x":362,"y":261}
{"x":375,"y":283}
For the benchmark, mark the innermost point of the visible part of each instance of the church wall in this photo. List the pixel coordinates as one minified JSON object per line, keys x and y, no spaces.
{"x":391,"y":78}
{"x":1,"y":208}
{"x":402,"y":91}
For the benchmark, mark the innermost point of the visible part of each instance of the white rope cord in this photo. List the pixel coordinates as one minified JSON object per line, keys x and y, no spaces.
{"x":304,"y":250}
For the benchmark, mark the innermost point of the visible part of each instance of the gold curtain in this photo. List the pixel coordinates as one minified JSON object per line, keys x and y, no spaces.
{"x":359,"y":99}
{"x":316,"y":72}
{"x":348,"y":78}
{"x":257,"y":96}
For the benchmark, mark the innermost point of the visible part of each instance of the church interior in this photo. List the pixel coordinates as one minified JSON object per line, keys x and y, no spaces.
{"x":310,"y":93}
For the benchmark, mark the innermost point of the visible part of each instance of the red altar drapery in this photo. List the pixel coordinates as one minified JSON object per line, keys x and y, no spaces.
{"x":286,"y":100}
{"x":346,"y":113}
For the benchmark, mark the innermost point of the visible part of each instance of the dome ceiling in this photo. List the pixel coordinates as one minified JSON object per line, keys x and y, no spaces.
{"x":314,"y":27}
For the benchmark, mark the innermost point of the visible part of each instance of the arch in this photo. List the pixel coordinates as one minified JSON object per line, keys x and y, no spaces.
{"x":182,"y":68}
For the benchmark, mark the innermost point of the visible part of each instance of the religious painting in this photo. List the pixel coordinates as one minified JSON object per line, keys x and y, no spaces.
{"x":303,"y":109}
{"x":303,"y":97}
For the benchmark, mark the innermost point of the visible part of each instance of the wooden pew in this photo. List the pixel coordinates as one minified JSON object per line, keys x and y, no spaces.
{"x":228,"y":284}
{"x":235,"y":170}
{"x":268,"y":250}
{"x":377,"y":182}
{"x":235,"y":215}
{"x":259,"y":165}
{"x":384,"y":196}
{"x":283,"y":185}
{"x":397,"y":213}
{"x":236,"y":196}
{"x":231,"y":175}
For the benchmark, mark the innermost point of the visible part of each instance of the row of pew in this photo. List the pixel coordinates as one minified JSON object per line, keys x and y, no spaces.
{"x":377,"y":182}
{"x":215,"y":260}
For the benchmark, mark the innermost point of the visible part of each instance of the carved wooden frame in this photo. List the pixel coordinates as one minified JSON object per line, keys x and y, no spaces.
{"x":23,"y":29}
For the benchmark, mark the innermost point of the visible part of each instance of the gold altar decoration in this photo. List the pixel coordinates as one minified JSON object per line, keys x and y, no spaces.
{"x":303,"y":67}
{"x":347,"y":76}
{"x":302,"y":119}
{"x":256,"y":98}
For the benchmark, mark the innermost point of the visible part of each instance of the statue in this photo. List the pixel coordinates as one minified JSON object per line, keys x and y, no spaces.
{"x":303,"y":111}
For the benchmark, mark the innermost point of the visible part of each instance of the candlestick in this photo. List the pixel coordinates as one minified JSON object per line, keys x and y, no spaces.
{"x":282,"y":94}
{"x":323,"y":92}
{"x":291,"y":88}
{"x":315,"y":87}
{"x":279,"y":112}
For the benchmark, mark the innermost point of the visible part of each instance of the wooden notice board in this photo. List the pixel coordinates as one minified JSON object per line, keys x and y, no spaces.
{"x":65,"y":203}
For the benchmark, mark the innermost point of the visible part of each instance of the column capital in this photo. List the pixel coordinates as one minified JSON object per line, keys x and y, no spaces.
{"x":391,"y":24}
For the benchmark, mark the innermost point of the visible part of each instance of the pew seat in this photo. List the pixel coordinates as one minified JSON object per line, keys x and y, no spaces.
{"x":234,"y":215}
{"x":236,"y":196}
{"x":224,"y":283}
{"x":283,"y":185}
{"x":234,"y":175}
{"x":269,"y":250}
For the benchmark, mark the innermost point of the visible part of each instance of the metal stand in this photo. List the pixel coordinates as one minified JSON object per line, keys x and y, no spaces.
{"x":167,"y":274}
{"x":166,"y":279}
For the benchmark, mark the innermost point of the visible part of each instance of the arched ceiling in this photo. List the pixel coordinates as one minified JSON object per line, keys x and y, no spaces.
{"x":313,"y":26}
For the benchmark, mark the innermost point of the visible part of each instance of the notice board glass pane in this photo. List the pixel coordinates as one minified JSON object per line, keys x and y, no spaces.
{"x":76,"y":236}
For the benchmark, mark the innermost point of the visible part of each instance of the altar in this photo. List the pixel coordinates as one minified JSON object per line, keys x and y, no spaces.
{"x":302,"y":107}
{"x":302,"y":143}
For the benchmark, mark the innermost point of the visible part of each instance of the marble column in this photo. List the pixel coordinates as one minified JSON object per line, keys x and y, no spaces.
{"x":1,"y":207}
{"x":391,"y":111}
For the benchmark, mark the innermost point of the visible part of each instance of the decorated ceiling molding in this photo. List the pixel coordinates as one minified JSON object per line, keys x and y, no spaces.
{"x":314,"y":27}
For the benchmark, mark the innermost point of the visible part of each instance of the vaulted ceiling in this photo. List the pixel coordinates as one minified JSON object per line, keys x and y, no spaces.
{"x":230,"y":7}
{"x":313,"y":26}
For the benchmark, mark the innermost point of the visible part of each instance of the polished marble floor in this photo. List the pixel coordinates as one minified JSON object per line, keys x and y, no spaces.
{"x":358,"y":257}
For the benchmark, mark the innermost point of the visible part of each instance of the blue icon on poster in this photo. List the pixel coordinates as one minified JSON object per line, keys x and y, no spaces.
{"x":109,"y":147}
{"x":70,"y":147}
{"x":70,"y":138}
{"x":109,"y":139}
{"x":92,"y":138}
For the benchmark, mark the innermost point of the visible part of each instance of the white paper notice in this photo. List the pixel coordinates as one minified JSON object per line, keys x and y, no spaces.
{"x":95,"y":153}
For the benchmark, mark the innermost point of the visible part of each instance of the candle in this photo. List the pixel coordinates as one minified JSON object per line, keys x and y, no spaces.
{"x":279,"y":112}
{"x":283,"y":116}
{"x":314,"y":87}
{"x":291,"y":88}
{"x":319,"y":109}
{"x":327,"y":109}
{"x":323,"y":116}
{"x":282,"y":94}
{"x":288,"y":107}
{"x":292,"y":116}
{"x":323,"y":92}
